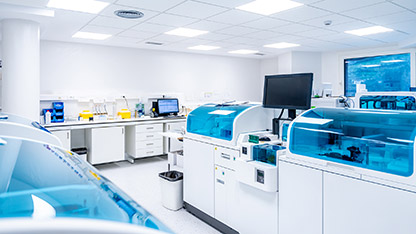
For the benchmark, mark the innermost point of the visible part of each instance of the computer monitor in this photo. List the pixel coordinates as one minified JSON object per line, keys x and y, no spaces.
{"x":289,"y":91}
{"x":167,"y":106}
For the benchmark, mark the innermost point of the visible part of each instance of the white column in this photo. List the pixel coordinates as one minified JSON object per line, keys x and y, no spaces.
{"x":21,"y":68}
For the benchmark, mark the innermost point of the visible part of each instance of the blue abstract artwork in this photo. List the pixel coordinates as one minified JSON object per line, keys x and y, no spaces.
{"x":379,"y":73}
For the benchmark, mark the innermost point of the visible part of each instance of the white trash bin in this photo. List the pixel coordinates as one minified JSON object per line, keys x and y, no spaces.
{"x":171,"y":183}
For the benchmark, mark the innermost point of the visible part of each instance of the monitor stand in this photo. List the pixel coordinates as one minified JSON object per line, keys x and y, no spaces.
{"x":292,"y":113}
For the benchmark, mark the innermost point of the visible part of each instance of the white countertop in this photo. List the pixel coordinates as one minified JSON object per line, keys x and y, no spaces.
{"x":108,"y":123}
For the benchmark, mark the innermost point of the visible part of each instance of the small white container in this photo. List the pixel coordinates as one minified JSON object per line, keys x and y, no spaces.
{"x":172,"y":191}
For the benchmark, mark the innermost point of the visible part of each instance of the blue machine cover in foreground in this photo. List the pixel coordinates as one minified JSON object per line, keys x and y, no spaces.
{"x":46,"y":179}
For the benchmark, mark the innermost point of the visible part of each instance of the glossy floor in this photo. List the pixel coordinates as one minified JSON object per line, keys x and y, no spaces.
{"x":141,"y":182}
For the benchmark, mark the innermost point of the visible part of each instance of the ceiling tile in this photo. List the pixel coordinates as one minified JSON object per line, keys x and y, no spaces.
{"x":109,"y":11}
{"x":410,"y":4}
{"x":266,"y":23}
{"x":293,"y":28}
{"x":334,"y":18}
{"x":156,"y":28}
{"x":316,"y":33}
{"x":241,"y":40}
{"x":387,"y":20}
{"x":237,"y":30}
{"x":29,"y":3}
{"x":196,"y":10}
{"x":389,"y":37}
{"x":172,"y":20}
{"x":341,"y":6}
{"x":159,"y":5}
{"x":113,"y":22}
{"x":300,"y":14}
{"x":196,"y":41}
{"x":263,"y":35}
{"x":226,"y":3}
{"x":215,"y":36}
{"x":356,"y":24}
{"x":136,"y":34}
{"x":208,"y":25}
{"x":100,"y":29}
{"x":407,"y":27}
{"x":167,"y":38}
{"x":234,"y":17}
{"x":380,"y":9}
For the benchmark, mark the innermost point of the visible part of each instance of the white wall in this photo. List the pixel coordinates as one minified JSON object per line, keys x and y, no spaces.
{"x":268,"y":67}
{"x":81,"y":69}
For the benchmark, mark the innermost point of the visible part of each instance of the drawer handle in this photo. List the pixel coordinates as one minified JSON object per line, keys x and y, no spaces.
{"x":226,"y":156}
{"x":149,"y":144}
{"x":220,"y":181}
{"x":149,"y":128}
{"x":149,"y":152}
{"x":148,"y":136}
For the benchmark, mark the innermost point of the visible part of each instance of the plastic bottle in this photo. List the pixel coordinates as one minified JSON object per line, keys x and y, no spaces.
{"x":48,"y":117}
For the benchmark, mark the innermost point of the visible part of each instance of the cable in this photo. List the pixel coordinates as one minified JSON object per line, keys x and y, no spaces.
{"x":281,"y":113}
{"x":127,"y":103}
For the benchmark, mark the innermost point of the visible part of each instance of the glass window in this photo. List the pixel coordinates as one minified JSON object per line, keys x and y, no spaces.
{"x":379,"y":73}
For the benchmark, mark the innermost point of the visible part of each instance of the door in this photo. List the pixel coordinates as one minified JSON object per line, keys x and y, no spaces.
{"x":199,"y":175}
{"x":300,"y":199}
{"x":65,"y":137}
{"x":356,"y":206}
{"x":225,"y":195}
{"x":106,"y":145}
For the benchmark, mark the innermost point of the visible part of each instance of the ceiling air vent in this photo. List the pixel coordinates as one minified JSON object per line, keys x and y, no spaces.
{"x":129,"y":14}
{"x":153,"y":43}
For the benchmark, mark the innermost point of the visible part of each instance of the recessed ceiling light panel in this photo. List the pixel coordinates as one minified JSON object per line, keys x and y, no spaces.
{"x":186,"y":32}
{"x":203,"y":47}
{"x":87,"y":6}
{"x":369,"y":31}
{"x":92,"y":36}
{"x":281,"y":45}
{"x":268,"y":7}
{"x":243,"y":52}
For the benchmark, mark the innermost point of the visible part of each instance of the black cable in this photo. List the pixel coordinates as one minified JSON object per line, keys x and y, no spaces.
{"x":281,"y":113}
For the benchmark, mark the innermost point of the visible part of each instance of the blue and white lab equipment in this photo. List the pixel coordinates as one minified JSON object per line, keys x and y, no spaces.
{"x":349,"y":171}
{"x":219,"y":187}
{"x":51,"y":190}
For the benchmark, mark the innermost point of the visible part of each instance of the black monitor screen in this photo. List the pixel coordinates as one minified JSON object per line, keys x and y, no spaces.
{"x":168,"y":106}
{"x":291,"y":91}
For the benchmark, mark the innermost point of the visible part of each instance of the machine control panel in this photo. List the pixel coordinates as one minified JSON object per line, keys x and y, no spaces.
{"x":260,"y":176}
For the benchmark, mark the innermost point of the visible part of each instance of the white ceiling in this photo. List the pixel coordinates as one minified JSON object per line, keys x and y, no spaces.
{"x":229,"y":28}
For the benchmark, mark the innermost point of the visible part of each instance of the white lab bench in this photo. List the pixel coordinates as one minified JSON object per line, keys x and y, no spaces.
{"x":116,"y":140}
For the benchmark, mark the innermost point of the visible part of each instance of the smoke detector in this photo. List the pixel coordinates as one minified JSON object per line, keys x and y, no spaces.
{"x":129,"y":14}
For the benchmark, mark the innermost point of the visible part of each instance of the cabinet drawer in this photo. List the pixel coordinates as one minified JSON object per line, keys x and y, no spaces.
{"x":149,"y":144}
{"x":140,"y":153}
{"x":149,"y":128}
{"x":225,"y":157}
{"x":147,"y":136}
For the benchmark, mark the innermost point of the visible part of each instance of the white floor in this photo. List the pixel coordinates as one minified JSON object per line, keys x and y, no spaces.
{"x":141,"y":182}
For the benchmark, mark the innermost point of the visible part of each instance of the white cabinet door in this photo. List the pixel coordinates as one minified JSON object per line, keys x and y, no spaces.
{"x":105,"y":144}
{"x":356,"y":206}
{"x":65,"y":137}
{"x":199,"y":175}
{"x":225,"y":195}
{"x":300,"y":199}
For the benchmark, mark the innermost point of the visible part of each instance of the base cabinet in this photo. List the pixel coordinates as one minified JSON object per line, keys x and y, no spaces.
{"x":199,"y":175}
{"x":356,"y":206}
{"x":105,"y":144}
{"x":65,"y":137}
{"x":317,"y":201}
